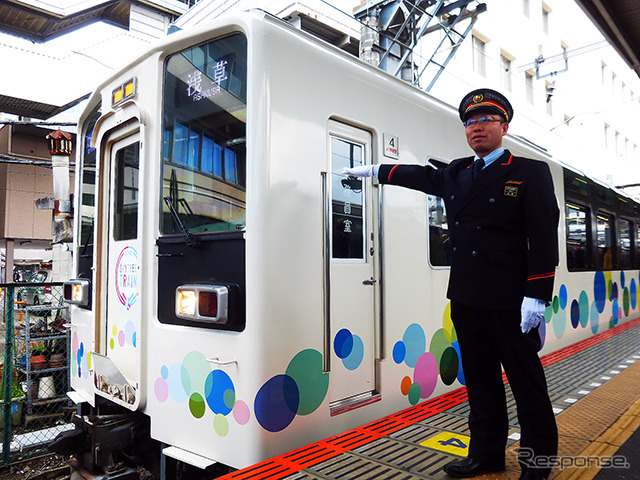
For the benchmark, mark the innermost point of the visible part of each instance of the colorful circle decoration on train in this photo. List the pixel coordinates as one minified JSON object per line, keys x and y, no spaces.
{"x":195,"y":384}
{"x":349,"y":348}
{"x":122,"y":337}
{"x":299,"y":391}
{"x":610,"y":301}
{"x":80,"y":357}
{"x":442,"y":359}
{"x":302,"y":387}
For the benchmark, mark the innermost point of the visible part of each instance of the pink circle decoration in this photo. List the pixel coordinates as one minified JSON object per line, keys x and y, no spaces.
{"x":74,"y":342}
{"x":161,"y":389}
{"x":121,"y":338}
{"x":241,"y":413}
{"x":426,"y":374}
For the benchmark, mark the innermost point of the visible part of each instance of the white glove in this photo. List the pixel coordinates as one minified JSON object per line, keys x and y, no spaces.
{"x":532,"y":311}
{"x":361,"y":171}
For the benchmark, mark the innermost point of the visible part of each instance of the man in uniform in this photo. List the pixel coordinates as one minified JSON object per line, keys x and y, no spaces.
{"x":503,"y":219}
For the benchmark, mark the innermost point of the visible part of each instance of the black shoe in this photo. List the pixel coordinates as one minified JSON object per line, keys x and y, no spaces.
{"x":532,"y":475}
{"x":468,"y":467}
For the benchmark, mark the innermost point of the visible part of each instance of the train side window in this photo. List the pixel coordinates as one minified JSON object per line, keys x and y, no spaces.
{"x":637,"y":260}
{"x":624,"y":239}
{"x":604,"y":242}
{"x":438,"y":233}
{"x":577,"y":237}
{"x":125,"y":218}
{"x":347,"y":207}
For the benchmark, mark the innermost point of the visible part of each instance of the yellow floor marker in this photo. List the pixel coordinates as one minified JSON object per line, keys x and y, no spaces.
{"x":449,"y":442}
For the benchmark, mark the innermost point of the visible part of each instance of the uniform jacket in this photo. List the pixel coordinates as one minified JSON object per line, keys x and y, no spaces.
{"x":503,"y":227}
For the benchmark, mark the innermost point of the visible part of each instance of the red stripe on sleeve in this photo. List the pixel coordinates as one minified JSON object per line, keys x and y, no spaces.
{"x":541,"y":276}
{"x":391,"y":172}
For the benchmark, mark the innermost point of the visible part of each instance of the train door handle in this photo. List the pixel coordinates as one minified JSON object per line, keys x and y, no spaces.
{"x":371,"y":281}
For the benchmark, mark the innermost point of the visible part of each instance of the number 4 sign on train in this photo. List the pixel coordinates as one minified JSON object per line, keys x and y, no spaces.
{"x":449,"y":442}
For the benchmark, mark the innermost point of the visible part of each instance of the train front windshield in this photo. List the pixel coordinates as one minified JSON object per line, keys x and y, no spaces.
{"x":204,"y":138}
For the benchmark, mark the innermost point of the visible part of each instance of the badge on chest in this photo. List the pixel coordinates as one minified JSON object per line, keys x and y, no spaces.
{"x":510,"y":189}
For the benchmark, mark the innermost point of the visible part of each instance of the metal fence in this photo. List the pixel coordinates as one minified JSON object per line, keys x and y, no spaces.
{"x":35,"y":369}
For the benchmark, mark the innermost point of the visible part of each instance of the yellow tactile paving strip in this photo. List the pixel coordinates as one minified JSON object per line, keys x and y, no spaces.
{"x":597,"y":425}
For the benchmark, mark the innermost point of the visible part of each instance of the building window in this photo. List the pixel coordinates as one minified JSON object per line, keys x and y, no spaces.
{"x":603,"y":72}
{"x":505,"y":66}
{"x":545,"y":19}
{"x":479,"y":58}
{"x":607,"y":133}
{"x":529,"y":86}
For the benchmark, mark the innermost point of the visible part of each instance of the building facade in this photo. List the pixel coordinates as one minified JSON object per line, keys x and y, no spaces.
{"x":572,"y":93}
{"x":25,"y":230}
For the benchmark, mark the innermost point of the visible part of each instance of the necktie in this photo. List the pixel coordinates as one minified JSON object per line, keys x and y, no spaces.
{"x":477,"y":167}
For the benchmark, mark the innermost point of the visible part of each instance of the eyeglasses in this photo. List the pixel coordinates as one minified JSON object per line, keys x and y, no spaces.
{"x":480,"y":121}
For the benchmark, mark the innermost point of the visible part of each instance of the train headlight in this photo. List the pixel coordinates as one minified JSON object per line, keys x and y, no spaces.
{"x":76,"y":292}
{"x":203,"y":303}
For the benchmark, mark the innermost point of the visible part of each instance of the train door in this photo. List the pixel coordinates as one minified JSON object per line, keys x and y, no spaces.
{"x":119,"y":363}
{"x":351,"y":269}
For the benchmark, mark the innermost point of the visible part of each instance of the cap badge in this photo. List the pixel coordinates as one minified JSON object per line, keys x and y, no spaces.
{"x":478,"y":98}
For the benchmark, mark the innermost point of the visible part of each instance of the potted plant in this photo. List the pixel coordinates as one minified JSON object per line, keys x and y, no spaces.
{"x":17,"y":397}
{"x":38,"y":359}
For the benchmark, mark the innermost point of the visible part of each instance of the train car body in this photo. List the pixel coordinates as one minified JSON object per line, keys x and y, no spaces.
{"x":238,"y":291}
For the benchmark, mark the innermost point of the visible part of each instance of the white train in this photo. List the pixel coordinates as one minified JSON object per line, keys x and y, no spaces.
{"x":236,"y":296}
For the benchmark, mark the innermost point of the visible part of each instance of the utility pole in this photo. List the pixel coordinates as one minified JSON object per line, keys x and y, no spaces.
{"x":391,"y":30}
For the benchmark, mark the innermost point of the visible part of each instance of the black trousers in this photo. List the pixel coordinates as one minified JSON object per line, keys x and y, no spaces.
{"x":490,"y":340}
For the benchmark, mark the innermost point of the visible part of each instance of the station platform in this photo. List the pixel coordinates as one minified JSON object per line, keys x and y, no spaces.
{"x":594,"y":387}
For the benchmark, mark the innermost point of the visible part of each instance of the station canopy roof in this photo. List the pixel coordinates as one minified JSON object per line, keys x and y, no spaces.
{"x":45,"y":83}
{"x":42,"y":20}
{"x":619,"y":22}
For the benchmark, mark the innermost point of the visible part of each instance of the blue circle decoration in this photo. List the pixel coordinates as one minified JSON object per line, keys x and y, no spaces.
{"x":399,"y":352}
{"x":215,"y":387}
{"x":633,"y":293}
{"x":614,"y":291}
{"x":622,"y":280}
{"x":343,"y":343}
{"x":599,"y":291}
{"x":563,"y":296}
{"x":354,"y":359}
{"x":615,"y":311}
{"x":415,"y":341}
{"x":575,"y":314}
{"x":276,"y":403}
{"x":594,"y":318}
{"x":460,"y":376}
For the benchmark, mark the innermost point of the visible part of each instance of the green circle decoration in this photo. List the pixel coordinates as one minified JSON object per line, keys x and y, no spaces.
{"x":414,"y":394}
{"x":449,"y":366}
{"x":438,"y":345}
{"x":197,"y":406}
{"x":221,"y":425}
{"x":583,"y":303}
{"x":229,"y":398}
{"x":198,"y":369}
{"x":626,"y":301}
{"x":306,"y":370}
